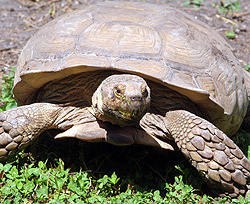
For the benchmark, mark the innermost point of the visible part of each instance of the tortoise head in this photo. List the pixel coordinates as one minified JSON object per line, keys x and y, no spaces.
{"x":121,"y":99}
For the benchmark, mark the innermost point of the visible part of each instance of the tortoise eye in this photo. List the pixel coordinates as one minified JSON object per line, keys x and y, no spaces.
{"x":118,"y":91}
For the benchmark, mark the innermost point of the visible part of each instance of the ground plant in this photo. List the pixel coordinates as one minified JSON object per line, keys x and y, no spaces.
{"x":228,"y":6}
{"x":7,"y":101}
{"x":247,"y":67}
{"x":230,"y":34}
{"x":194,"y":3}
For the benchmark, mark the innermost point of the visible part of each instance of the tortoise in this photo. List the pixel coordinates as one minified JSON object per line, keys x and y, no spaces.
{"x":134,"y":73}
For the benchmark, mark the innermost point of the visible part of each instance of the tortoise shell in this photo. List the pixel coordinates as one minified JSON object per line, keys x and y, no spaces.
{"x":156,"y":42}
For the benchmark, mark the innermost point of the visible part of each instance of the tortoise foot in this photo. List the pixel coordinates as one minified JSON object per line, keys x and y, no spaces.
{"x":217,"y":158}
{"x":20,"y":126}
{"x":13,"y":133}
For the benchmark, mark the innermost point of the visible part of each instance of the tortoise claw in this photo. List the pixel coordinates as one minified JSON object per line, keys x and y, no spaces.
{"x":12,"y":137}
{"x":90,"y":132}
{"x":97,"y":131}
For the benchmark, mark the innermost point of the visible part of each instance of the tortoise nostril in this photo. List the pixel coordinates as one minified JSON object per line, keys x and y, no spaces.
{"x":136,"y":98}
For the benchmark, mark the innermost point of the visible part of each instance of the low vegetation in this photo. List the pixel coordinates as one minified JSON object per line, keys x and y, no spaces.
{"x":58,"y":185}
{"x":247,"y":67}
{"x":194,"y":3}
{"x":230,"y":34}
{"x":228,"y":6}
{"x":7,"y":101}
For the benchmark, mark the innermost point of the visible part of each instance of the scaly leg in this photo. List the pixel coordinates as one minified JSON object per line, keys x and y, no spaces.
{"x":20,"y":126}
{"x":217,"y":158}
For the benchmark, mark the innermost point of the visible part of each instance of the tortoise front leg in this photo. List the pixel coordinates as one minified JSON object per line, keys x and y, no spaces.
{"x":98,"y":131}
{"x":20,"y":126}
{"x":217,"y":158}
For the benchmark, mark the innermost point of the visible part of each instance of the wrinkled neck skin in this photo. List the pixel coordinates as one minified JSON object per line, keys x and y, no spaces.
{"x":97,"y":104}
{"x":121,"y":100}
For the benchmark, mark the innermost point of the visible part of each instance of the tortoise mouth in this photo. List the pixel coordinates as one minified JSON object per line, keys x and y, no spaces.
{"x":123,"y":117}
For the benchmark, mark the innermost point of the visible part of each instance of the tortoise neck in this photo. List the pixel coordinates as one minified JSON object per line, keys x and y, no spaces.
{"x":74,"y":90}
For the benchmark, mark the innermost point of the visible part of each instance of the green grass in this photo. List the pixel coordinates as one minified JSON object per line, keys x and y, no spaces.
{"x":7,"y":101}
{"x":72,"y":171}
{"x":195,"y":3}
{"x":228,"y":6}
{"x":230,"y":34}
{"x":247,"y":67}
{"x":59,"y":185}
